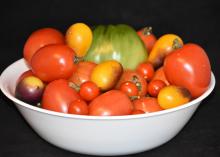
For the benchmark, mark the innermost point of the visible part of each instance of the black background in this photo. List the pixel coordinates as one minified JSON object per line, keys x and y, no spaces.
{"x":195,"y":21}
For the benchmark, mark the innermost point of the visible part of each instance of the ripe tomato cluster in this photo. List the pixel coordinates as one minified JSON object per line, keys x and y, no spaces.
{"x":60,"y":80}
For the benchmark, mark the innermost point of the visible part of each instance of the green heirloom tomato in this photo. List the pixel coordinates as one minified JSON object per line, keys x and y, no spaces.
{"x":117,"y":42}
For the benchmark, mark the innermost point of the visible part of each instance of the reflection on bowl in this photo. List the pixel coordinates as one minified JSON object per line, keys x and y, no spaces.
{"x":93,"y":135}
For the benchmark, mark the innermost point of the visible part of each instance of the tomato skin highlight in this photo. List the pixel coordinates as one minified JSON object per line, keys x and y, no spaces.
{"x":39,"y":39}
{"x":58,"y":95}
{"x":53,"y":62}
{"x":111,"y":103}
{"x":189,"y":67}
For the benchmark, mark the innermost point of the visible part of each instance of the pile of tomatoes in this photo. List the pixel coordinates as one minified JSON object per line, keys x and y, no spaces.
{"x":60,"y":80}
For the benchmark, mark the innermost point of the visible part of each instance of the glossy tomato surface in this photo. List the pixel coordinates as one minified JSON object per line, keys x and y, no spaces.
{"x":53,"y":62}
{"x":58,"y":95}
{"x":39,"y":39}
{"x":189,"y":67}
{"x":111,"y":103}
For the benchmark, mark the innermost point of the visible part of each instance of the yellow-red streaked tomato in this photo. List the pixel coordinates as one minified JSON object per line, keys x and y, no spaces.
{"x":189,"y":67}
{"x":53,"y":62}
{"x":39,"y":39}
{"x":79,"y":38}
{"x":58,"y":95}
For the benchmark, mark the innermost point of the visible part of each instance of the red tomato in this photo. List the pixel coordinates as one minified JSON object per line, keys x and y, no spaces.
{"x":111,"y":103}
{"x":25,"y":74}
{"x":89,"y":90}
{"x":133,"y":76}
{"x":78,"y":107}
{"x":147,"y":104}
{"x":129,"y":88}
{"x":39,"y":39}
{"x":82,"y":73}
{"x":155,"y":86}
{"x":53,"y":62}
{"x":147,"y":37}
{"x":58,"y":95}
{"x":159,"y":75}
{"x":137,"y":112}
{"x":189,"y":67}
{"x":146,"y":70}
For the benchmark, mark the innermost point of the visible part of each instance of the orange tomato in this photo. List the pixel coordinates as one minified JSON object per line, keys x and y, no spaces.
{"x":160,"y":75}
{"x":79,"y":38}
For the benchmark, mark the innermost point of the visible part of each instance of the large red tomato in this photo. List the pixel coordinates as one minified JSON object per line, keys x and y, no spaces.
{"x":111,"y":103}
{"x":58,"y":95}
{"x":53,"y":62}
{"x":189,"y":67}
{"x":39,"y":39}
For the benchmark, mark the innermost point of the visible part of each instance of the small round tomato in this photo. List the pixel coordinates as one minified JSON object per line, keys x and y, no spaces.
{"x":89,"y":90}
{"x":136,"y":78}
{"x":147,"y":37}
{"x":53,"y":62}
{"x":39,"y":39}
{"x":78,"y":107}
{"x":189,"y":67}
{"x":129,"y":88}
{"x":155,"y":86}
{"x":79,"y":38}
{"x":147,"y":104}
{"x":146,"y":70}
{"x":58,"y":95}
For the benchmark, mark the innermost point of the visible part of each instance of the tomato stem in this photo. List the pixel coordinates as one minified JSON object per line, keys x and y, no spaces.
{"x":74,"y":86}
{"x":76,"y":59}
{"x":147,"y":31}
{"x":176,"y":44}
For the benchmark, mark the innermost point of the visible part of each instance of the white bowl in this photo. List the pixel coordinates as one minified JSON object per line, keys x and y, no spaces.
{"x":116,"y":135}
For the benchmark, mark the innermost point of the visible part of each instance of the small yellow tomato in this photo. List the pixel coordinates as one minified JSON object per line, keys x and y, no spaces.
{"x":79,"y":38}
{"x":106,"y":74}
{"x":173,"y":96}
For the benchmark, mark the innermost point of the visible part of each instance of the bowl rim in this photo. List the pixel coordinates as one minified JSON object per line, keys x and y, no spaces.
{"x":86,"y":117}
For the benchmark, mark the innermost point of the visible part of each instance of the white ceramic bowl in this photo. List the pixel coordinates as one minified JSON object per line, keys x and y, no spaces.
{"x":116,"y":135}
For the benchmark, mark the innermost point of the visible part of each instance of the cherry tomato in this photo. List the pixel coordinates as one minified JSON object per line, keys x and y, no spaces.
{"x":147,"y":37}
{"x":53,"y":62}
{"x":146,"y":70}
{"x":78,"y":107}
{"x":136,"y":78}
{"x":137,"y":112}
{"x":89,"y":90}
{"x":189,"y":67}
{"x":111,"y":103}
{"x":58,"y":95}
{"x":155,"y":86}
{"x":147,"y":104}
{"x":39,"y":39}
{"x":129,"y":88}
{"x":79,"y":38}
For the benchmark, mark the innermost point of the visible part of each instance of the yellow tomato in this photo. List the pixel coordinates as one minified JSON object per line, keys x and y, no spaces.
{"x":106,"y":74}
{"x":173,"y":96}
{"x":79,"y":38}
